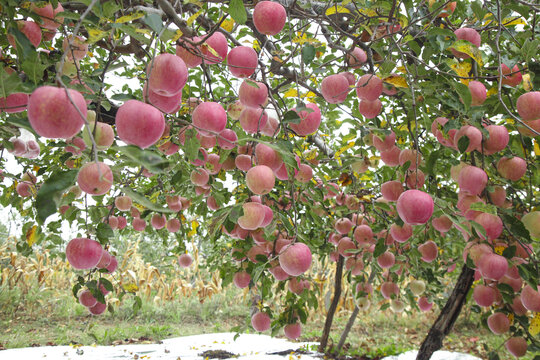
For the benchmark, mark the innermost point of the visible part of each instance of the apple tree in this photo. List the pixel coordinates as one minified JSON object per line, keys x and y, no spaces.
{"x":398,"y":139}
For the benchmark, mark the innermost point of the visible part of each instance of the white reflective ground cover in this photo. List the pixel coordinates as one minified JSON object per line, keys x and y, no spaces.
{"x":246,"y":346}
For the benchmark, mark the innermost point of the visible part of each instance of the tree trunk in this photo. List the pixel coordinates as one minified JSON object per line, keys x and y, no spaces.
{"x":333,"y":305}
{"x":347,"y":329}
{"x":448,"y":316}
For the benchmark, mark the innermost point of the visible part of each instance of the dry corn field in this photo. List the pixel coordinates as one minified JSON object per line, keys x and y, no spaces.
{"x":46,"y":272}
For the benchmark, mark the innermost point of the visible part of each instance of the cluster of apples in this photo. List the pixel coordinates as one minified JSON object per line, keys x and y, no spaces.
{"x":25,"y":148}
{"x":27,"y":186}
{"x":354,"y":238}
{"x":85,"y":254}
{"x":369,"y":87}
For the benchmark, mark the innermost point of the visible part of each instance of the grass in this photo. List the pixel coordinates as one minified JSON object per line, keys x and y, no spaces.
{"x":51,"y":317}
{"x":45,"y":317}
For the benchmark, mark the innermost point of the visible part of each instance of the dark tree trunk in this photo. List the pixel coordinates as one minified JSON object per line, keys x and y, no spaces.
{"x":333,"y":305}
{"x":347,"y":329}
{"x":448,"y":316}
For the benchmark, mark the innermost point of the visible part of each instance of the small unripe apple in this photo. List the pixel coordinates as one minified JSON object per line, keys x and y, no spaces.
{"x":417,"y":287}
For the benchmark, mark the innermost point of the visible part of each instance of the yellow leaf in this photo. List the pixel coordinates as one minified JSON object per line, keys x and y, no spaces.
{"x":403,"y":21}
{"x":138,"y":206}
{"x":177,"y":35}
{"x":470,"y":50}
{"x":211,"y":49}
{"x":368,"y":11}
{"x":337,"y":10}
{"x":499,"y":249}
{"x":349,"y":145}
{"x":462,"y":69}
{"x":534,"y":327}
{"x":227,"y":24}
{"x":402,"y":69}
{"x":292,"y":92}
{"x":311,"y":154}
{"x":365,"y":177}
{"x":397,"y":81}
{"x":527,"y":84}
{"x":130,"y":17}
{"x":309,"y":94}
{"x":194,"y":226}
{"x":131,"y":287}
{"x":536,"y":148}
{"x":31,"y":235}
{"x":94,"y":35}
{"x":513,"y":21}
{"x":492,"y":91}
{"x":192,"y":18}
{"x":256,"y":45}
{"x":488,"y":19}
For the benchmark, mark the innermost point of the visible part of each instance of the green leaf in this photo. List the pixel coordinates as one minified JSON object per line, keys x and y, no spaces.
{"x":464,"y":93}
{"x":238,"y":11}
{"x":463,"y":143}
{"x":479,"y":228}
{"x":432,"y":160}
{"x":509,"y":252}
{"x":49,"y":193}
{"x":517,"y":228}
{"x":104,"y":232}
{"x":191,"y":145}
{"x":142,"y":200}
{"x":383,"y":206}
{"x":530,"y":49}
{"x":147,"y":159}
{"x":177,"y":177}
{"x":154,"y":22}
{"x":251,"y":83}
{"x":478,"y":10}
{"x":292,"y":117}
{"x":308,"y":54}
{"x":379,"y":248}
{"x":106,"y":284}
{"x":33,"y":68}
{"x":487,"y":208}
{"x":123,"y":97}
{"x":24,"y":47}
{"x":9,"y":83}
